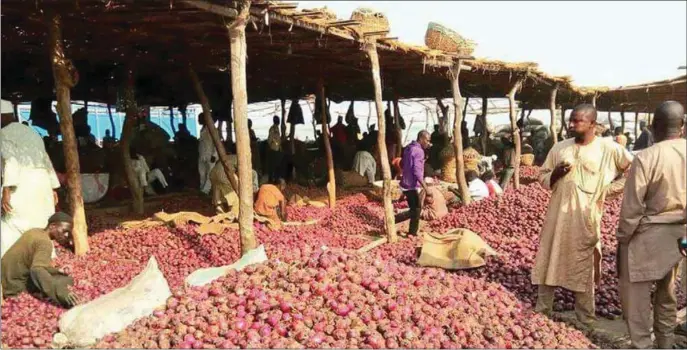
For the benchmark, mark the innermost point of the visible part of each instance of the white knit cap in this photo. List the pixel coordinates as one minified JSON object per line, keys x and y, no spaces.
{"x":6,"y":107}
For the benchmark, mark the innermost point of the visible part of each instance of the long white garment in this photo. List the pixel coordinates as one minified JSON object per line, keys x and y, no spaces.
{"x":145,"y":175}
{"x":478,"y":189}
{"x":28,"y":170}
{"x":206,"y":150}
{"x":365,"y":165}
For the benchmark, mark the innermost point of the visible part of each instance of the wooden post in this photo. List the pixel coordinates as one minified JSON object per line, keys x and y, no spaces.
{"x":458,"y":135}
{"x":237,"y":38}
{"x":484,"y":137}
{"x":636,"y":124}
{"x":214,"y":133}
{"x":389,"y":219}
{"x":283,"y":120}
{"x":564,"y":124}
{"x":230,"y":133}
{"x":516,"y":132}
{"x":112,"y":123}
{"x":171,"y":119}
{"x":130,"y":120}
{"x":66,"y":78}
{"x":552,"y":110}
{"x":183,"y":115}
{"x":594,"y":99}
{"x":443,"y":118}
{"x":610,"y":121}
{"x":397,"y":129}
{"x":622,"y":118}
{"x":331,"y":185}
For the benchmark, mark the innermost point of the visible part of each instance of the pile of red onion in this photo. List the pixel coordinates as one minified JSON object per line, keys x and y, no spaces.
{"x":335,"y":299}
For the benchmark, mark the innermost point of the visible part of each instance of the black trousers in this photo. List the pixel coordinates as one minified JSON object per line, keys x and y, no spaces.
{"x":413,"y":213}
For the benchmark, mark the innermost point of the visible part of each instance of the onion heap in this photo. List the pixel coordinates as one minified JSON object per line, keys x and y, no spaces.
{"x":336,"y":299}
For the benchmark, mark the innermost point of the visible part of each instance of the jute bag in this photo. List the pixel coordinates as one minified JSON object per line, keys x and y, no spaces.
{"x":456,"y":250}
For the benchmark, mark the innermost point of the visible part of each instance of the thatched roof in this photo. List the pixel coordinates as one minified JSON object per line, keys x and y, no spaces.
{"x":288,"y":50}
{"x":644,"y":97}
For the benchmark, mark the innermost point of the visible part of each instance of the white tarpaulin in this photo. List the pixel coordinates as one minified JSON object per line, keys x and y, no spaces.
{"x":204,"y":276}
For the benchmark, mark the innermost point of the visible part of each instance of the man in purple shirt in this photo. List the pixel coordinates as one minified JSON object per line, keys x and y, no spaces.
{"x":413,"y":179}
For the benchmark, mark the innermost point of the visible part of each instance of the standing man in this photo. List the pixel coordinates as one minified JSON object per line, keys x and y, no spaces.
{"x":645,"y":139}
{"x":578,"y":171}
{"x":508,"y":161}
{"x":413,"y":170}
{"x":207,"y":156}
{"x":29,"y":182}
{"x":27,"y":265}
{"x":651,"y":221}
{"x":274,"y":155}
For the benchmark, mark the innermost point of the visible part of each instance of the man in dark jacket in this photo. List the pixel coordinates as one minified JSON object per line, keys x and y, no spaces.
{"x":645,"y":139}
{"x":26,"y":266}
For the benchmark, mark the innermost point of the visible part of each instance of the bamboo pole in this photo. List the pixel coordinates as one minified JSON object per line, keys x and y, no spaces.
{"x":331,"y":185}
{"x":458,"y":135}
{"x":65,"y":79}
{"x":552,"y":110}
{"x":130,"y":118}
{"x":516,"y":132}
{"x":214,"y":133}
{"x":389,"y":219}
{"x":237,"y":38}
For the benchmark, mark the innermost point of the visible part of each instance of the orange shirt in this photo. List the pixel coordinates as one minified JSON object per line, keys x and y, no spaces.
{"x":268,"y":200}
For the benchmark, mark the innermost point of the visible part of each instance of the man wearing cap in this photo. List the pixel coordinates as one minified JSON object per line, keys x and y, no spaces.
{"x":27,"y":265}
{"x":28,"y":180}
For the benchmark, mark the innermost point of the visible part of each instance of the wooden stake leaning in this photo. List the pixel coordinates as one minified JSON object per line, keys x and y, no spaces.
{"x":65,"y":79}
{"x":458,"y":135}
{"x":331,"y":184}
{"x":389,"y":219}
{"x":516,"y":132}
{"x":237,"y":39}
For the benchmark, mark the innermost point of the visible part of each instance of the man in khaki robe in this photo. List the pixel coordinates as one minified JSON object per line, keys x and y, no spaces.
{"x":579,"y":171}
{"x":651,"y":221}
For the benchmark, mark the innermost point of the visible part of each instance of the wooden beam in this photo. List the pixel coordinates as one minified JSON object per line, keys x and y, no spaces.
{"x":237,"y":40}
{"x":458,"y":135}
{"x":282,"y":127}
{"x":379,"y":32}
{"x":344,"y":23}
{"x":65,"y":79}
{"x":307,"y":14}
{"x":331,"y":185}
{"x":484,"y":136}
{"x":372,"y":245}
{"x":552,"y":110}
{"x":516,"y":132}
{"x":212,"y":8}
{"x":389,"y":219}
{"x":397,"y":127}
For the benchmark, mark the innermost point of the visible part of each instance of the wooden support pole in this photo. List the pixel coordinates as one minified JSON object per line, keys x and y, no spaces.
{"x":237,"y":38}
{"x":65,"y":78}
{"x":516,"y":132}
{"x":283,"y":120}
{"x":214,"y":133}
{"x":636,"y":125}
{"x":230,"y":133}
{"x":130,"y":120}
{"x":484,"y":137}
{"x":564,"y":125}
{"x":397,"y":127}
{"x":331,"y":184}
{"x":389,"y":219}
{"x":458,"y":135}
{"x":610,"y":121}
{"x":112,"y":123}
{"x":594,"y":99}
{"x":552,"y":110}
{"x":171,"y":119}
{"x":622,"y":118}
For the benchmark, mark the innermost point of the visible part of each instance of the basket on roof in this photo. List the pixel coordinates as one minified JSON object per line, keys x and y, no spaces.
{"x":445,"y":39}
{"x":371,"y":21}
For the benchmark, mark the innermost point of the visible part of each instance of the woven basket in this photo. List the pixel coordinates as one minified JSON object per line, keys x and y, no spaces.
{"x":527,"y":159}
{"x":371,"y":21}
{"x":442,"y":38}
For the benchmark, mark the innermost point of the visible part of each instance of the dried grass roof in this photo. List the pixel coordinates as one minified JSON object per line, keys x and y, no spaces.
{"x":644,"y":97}
{"x":288,"y":50}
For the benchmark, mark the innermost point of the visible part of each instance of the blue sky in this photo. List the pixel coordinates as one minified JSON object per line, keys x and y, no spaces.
{"x":600,"y":43}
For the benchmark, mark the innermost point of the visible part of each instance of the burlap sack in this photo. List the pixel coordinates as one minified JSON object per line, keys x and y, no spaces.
{"x":352,"y":179}
{"x":456,"y":250}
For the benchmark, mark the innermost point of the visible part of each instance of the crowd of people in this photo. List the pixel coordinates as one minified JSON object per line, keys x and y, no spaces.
{"x":581,"y":172}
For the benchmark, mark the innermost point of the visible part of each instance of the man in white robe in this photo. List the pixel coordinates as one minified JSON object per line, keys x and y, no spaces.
{"x":28,"y":180}
{"x":579,"y":172}
{"x":207,"y":156}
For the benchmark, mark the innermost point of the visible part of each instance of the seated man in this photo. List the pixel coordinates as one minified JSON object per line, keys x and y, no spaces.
{"x":223,"y":194}
{"x":26,"y":266}
{"x":478,"y":189}
{"x":365,"y":165}
{"x":271,"y":203}
{"x":489,"y":179}
{"x":145,"y":176}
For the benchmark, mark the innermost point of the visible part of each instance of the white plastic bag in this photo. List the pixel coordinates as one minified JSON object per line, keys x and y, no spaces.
{"x":202,"y":277}
{"x":85,"y":324}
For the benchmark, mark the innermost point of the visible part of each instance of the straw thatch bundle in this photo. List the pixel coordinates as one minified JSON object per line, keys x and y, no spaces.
{"x":371,"y":21}
{"x":442,"y":38}
{"x":322,"y":18}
